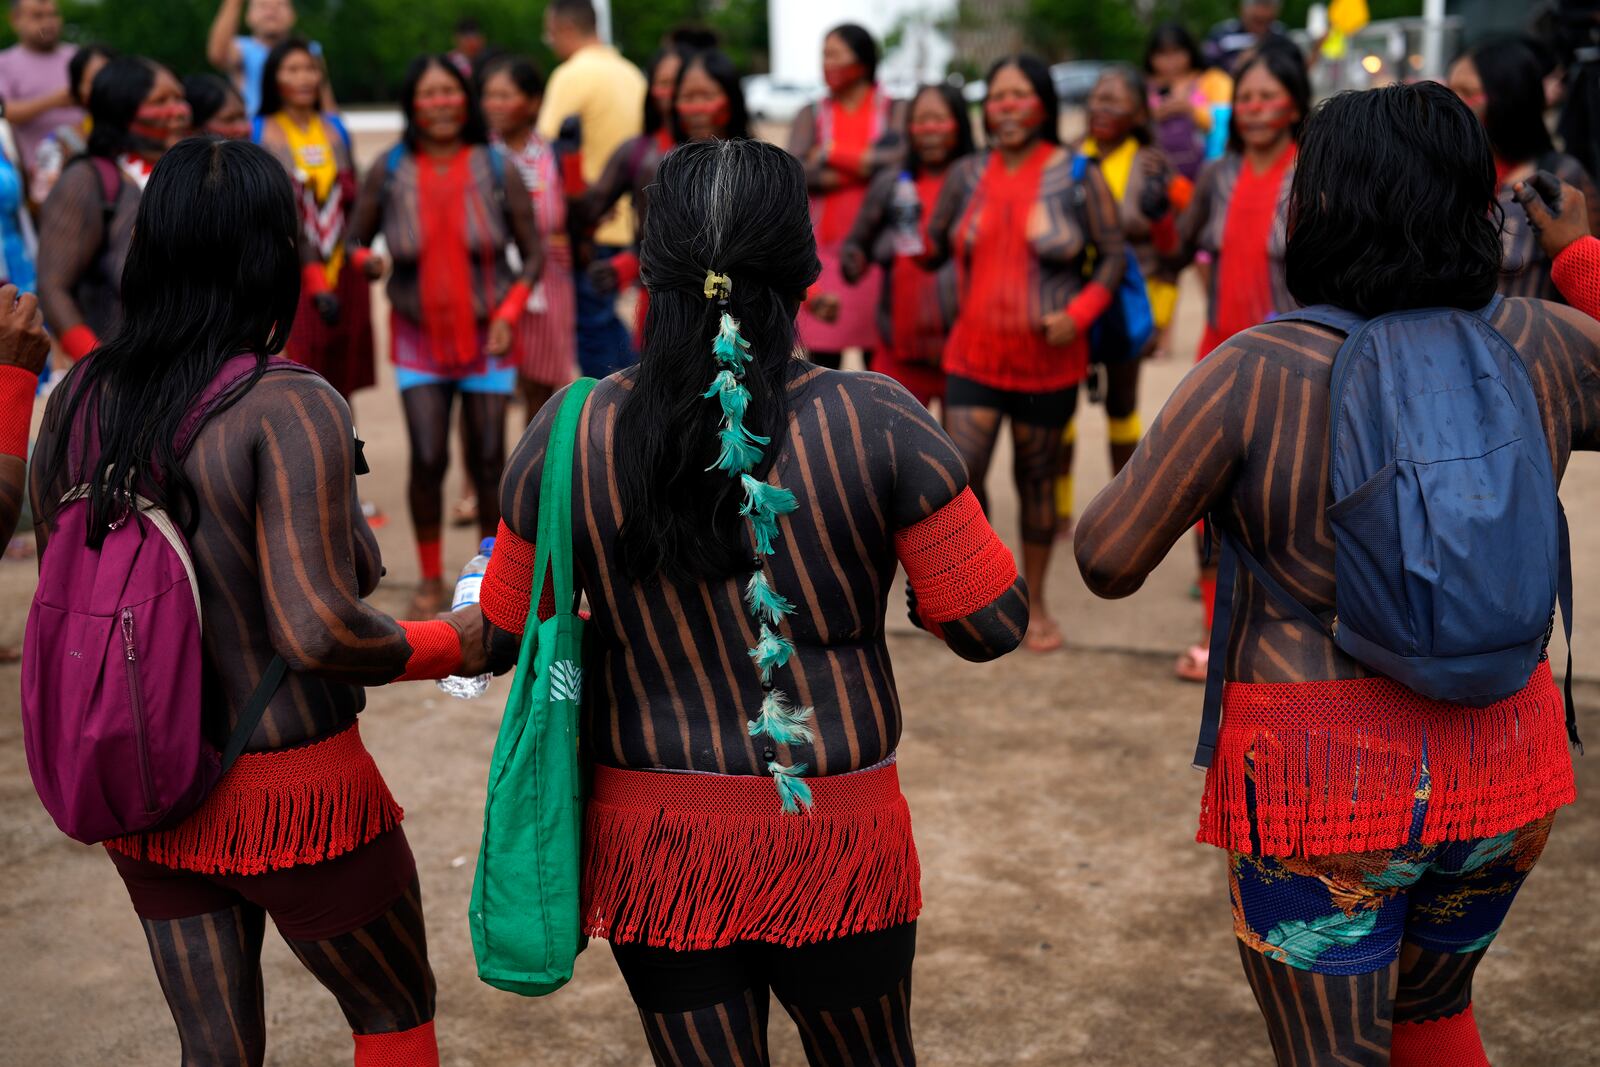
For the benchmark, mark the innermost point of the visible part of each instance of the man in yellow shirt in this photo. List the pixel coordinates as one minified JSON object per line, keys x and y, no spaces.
{"x":606,"y":93}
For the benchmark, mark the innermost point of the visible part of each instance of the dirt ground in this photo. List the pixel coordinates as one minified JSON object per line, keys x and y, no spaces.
{"x":1070,"y":917}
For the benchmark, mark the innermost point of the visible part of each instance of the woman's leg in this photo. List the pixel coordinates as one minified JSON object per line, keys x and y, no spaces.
{"x":699,"y":1009}
{"x":850,"y":997}
{"x":974,"y":430}
{"x":1122,"y":411}
{"x":483,"y":425}
{"x":1036,"y":461}
{"x":427,"y":409}
{"x":210,"y":971}
{"x":1323,"y":1020}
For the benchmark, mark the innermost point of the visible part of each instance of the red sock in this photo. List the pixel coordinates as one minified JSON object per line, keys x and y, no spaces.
{"x":1448,"y":1042}
{"x":1208,"y":599}
{"x":408,"y":1048}
{"x":430,"y":554}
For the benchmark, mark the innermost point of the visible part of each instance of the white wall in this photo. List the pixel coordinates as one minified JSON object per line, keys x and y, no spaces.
{"x":798,"y":26}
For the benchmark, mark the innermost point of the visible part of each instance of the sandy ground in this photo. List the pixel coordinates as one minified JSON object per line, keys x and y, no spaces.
{"x":1070,"y":919}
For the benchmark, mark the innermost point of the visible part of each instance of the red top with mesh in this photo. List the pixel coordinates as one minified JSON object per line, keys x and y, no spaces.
{"x":1244,"y":268}
{"x":852,"y":135}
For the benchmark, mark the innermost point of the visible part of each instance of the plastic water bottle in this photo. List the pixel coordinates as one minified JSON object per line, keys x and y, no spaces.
{"x":905,"y":214}
{"x":467,"y":588}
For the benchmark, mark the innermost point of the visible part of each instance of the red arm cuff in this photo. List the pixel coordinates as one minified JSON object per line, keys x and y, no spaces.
{"x":516,"y":301}
{"x":508,"y":584}
{"x":955,"y":562}
{"x":360,"y":258}
{"x":17,"y":388}
{"x":1088,"y":306}
{"x":314,"y":279}
{"x":1576,"y":272}
{"x":1180,"y":191}
{"x":626,"y":265}
{"x":435,"y":650}
{"x":572,"y":182}
{"x":79,"y":342}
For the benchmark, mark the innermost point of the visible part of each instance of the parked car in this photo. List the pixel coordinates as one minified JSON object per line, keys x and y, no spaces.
{"x":770,"y":100}
{"x":1074,"y":81}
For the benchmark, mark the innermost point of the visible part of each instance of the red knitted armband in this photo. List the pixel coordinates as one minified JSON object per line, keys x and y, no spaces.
{"x":626,"y":267}
{"x":1085,"y":308}
{"x":1180,"y":191}
{"x":1576,"y":272}
{"x":314,"y":279}
{"x":435,"y":650}
{"x":508,"y":584}
{"x":360,"y":258}
{"x":516,"y":301}
{"x":79,"y":342}
{"x":17,"y":386}
{"x":955,"y":562}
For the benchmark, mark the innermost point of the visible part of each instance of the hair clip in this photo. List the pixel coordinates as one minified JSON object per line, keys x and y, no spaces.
{"x":718,"y":286}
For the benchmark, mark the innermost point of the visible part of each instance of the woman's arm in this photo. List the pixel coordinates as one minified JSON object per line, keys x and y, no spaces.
{"x":24,"y":348}
{"x":1194,"y":219}
{"x":615,"y":180}
{"x":947,"y":212}
{"x":72,"y":230}
{"x":856,"y":254}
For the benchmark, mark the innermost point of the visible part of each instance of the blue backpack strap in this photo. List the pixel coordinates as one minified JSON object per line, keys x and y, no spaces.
{"x":257,"y":124}
{"x":341,"y":129}
{"x":1335,"y":318}
{"x":1564,"y":601}
{"x":1080,"y":166}
{"x":1487,"y":311}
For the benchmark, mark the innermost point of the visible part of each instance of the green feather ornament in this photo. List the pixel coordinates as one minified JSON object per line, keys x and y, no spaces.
{"x":766,"y":603}
{"x":792,"y":789}
{"x":782,"y":721}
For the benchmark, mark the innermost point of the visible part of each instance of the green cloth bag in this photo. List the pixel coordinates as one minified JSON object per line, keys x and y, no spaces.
{"x":524,"y":910}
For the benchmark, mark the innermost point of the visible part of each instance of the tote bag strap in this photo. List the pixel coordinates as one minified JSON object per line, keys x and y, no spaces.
{"x":553,"y":542}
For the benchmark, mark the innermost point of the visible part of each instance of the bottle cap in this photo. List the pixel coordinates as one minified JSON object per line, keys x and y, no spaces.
{"x":486,"y":547}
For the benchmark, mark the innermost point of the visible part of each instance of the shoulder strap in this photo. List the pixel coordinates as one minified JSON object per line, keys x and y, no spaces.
{"x":110,"y":182}
{"x":257,"y":124}
{"x":1327,"y":315}
{"x":1564,"y":601}
{"x":1488,"y":310}
{"x":341,"y":129}
{"x":222,"y":385}
{"x":257,"y":707}
{"x":1080,"y":166}
{"x":553,"y":543}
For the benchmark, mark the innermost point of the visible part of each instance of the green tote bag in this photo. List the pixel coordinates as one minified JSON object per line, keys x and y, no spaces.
{"x":524,"y":911}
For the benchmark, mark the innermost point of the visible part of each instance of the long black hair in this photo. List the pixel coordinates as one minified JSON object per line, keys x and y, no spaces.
{"x":213,"y":272}
{"x":739,"y":208}
{"x":862,"y":45}
{"x":683,"y":42}
{"x":1044,"y":87}
{"x":1391,"y":204}
{"x":473,"y":131}
{"x":271,"y":95}
{"x":965,"y":142}
{"x":207,"y":94}
{"x":1287,"y":65}
{"x":115,"y":97}
{"x":720,"y":69}
{"x":1169,"y":36}
{"x":522,"y":71}
{"x":80,"y":62}
{"x":1513,"y":88}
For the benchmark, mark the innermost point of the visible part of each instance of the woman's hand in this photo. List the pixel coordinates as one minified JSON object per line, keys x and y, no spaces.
{"x":852,"y":263}
{"x":824,"y":306}
{"x":500,"y":338}
{"x":1556,"y":210}
{"x":375,"y":267}
{"x":1060,"y":329}
{"x":327,"y":306}
{"x":468,"y":623}
{"x":23,"y":342}
{"x":603,"y":277}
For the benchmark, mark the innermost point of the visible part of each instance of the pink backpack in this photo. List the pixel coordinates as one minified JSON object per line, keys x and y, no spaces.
{"x":111,"y":671}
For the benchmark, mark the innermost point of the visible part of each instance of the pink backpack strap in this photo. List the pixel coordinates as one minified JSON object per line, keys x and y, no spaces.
{"x":213,"y":396}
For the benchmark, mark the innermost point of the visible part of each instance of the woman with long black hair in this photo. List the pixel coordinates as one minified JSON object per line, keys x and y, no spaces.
{"x":844,"y":139}
{"x":216,"y":107}
{"x":449,"y":207}
{"x":1022,"y":229}
{"x":302,"y":828}
{"x":1502,"y":83}
{"x":333,"y":327}
{"x":738,"y":517}
{"x":917,"y":306}
{"x":139,"y":112}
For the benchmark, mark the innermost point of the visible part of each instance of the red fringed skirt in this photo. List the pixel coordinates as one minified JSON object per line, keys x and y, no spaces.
{"x":273,"y":810}
{"x":1335,"y":766}
{"x":700,"y":861}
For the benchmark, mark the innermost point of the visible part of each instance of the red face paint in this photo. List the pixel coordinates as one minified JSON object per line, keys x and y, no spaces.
{"x":233,"y":131}
{"x":933,"y":127}
{"x":1027,"y":111}
{"x":842,"y":77}
{"x":432,"y":101}
{"x":716,"y":111}
{"x":1274,"y":114}
{"x":159,"y":122}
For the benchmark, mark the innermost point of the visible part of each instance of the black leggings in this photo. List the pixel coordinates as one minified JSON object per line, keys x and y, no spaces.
{"x":850,"y":998}
{"x":483,"y":432}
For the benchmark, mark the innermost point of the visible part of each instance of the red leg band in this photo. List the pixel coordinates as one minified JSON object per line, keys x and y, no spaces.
{"x":417,"y":1047}
{"x":1449,"y":1042}
{"x":17,"y":387}
{"x":1576,"y":272}
{"x":508,"y":584}
{"x":1208,"y":600}
{"x":430,"y":557}
{"x":435,"y":650}
{"x":955,"y":561}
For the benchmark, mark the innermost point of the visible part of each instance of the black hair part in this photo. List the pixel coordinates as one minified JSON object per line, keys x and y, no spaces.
{"x":80,"y":62}
{"x":1130,"y":77}
{"x":473,"y":131}
{"x":114,"y":100}
{"x":579,"y":13}
{"x":1044,"y":87}
{"x":966,"y":143}
{"x":213,"y":272}
{"x":1513,"y":87}
{"x":522,"y":71}
{"x":720,"y":69}
{"x":1171,"y":36}
{"x":862,"y":45}
{"x":1287,"y":65}
{"x":271,"y":95}
{"x":1393,"y":204}
{"x":737,"y":207}
{"x":207,"y":94}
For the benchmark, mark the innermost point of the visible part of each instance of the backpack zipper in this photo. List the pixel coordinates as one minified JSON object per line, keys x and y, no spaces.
{"x":136,"y":702}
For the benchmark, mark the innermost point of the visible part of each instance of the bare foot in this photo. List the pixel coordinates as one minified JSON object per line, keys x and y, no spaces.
{"x":465,"y":512}
{"x":1044,"y":635}
{"x":1194,"y":664}
{"x":430,"y":599}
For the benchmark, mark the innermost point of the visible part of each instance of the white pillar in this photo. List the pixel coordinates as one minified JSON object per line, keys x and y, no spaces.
{"x":602,"y":19}
{"x":1433,"y":38}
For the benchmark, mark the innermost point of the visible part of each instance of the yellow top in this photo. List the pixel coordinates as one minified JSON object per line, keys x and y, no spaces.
{"x":317,"y":168}
{"x":1117,"y":165}
{"x":607,"y":94}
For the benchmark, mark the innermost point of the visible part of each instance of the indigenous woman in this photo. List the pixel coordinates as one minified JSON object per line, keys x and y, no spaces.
{"x":737,"y":520}
{"x":215,"y":107}
{"x":1237,"y":217}
{"x":66,"y":143}
{"x":917,"y":307}
{"x":302,"y":828}
{"x":138,"y":112}
{"x":449,"y":207}
{"x":844,"y":140}
{"x":1502,"y":83}
{"x":1140,"y":180}
{"x":1024,"y":232}
{"x":333,"y":327}
{"x":1181,"y":95}
{"x":546,"y":338}
{"x":1375,"y":839}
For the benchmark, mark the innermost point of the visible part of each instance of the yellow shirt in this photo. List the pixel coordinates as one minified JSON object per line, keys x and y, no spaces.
{"x":607,"y":94}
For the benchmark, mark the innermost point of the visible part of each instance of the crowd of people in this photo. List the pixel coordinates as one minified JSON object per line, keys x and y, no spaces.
{"x":197,"y":245}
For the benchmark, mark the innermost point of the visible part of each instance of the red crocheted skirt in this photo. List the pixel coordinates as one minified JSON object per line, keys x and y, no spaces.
{"x":700,"y":861}
{"x":272,"y":810}
{"x":1335,"y":767}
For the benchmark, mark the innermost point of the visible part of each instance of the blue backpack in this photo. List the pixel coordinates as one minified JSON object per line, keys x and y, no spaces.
{"x":1450,"y":544}
{"x":1128,"y":324}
